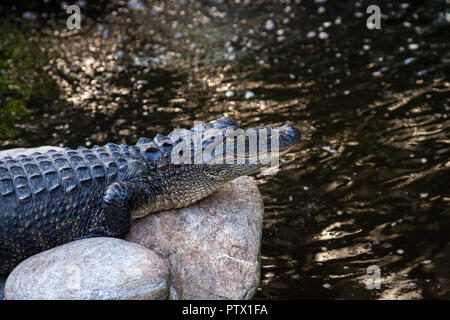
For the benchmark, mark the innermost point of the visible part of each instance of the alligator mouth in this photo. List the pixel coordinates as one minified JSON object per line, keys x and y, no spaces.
{"x":283,"y":152}
{"x":265,"y":155}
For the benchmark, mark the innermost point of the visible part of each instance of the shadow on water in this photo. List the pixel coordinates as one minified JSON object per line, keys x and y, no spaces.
{"x":369,"y":186}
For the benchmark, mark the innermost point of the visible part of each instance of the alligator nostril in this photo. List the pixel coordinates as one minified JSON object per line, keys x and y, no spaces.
{"x":292,"y":132}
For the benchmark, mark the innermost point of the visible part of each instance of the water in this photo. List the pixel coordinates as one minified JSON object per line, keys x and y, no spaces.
{"x":368,"y":188}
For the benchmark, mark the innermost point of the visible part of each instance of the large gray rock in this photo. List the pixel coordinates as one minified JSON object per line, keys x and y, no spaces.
{"x":213,"y":246}
{"x":94,"y":268}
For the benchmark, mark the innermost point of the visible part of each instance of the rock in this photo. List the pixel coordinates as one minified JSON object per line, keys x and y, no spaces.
{"x":213,"y":246}
{"x":249,"y":95}
{"x":92,"y":268}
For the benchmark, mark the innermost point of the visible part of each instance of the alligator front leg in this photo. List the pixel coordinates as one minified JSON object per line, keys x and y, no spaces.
{"x":118,"y":201}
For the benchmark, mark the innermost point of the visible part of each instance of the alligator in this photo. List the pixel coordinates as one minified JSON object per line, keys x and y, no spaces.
{"x":61,"y":195}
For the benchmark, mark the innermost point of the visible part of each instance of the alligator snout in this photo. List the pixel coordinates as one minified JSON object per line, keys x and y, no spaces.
{"x":289,"y":136}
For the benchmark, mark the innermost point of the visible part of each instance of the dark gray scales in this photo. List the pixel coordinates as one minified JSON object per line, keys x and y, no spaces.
{"x":57,"y":196}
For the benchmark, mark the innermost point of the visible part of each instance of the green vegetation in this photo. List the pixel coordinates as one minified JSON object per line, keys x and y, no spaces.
{"x":21,"y":78}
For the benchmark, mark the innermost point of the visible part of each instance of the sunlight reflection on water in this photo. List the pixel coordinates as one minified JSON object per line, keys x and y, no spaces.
{"x":371,"y":175}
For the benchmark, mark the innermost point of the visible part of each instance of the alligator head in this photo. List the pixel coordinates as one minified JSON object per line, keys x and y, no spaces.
{"x":191,"y":164}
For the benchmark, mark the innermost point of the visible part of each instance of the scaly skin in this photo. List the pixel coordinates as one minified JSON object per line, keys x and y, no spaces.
{"x":54,"y":197}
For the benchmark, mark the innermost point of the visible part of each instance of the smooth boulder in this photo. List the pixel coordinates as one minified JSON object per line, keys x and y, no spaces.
{"x":93,"y":268}
{"x":213,"y":246}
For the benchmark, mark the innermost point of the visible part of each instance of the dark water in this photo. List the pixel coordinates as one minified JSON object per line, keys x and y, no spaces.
{"x":369,"y":185}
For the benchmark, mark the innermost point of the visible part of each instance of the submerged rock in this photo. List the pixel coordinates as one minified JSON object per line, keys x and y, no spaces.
{"x":93,"y":268}
{"x":213,"y":246}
